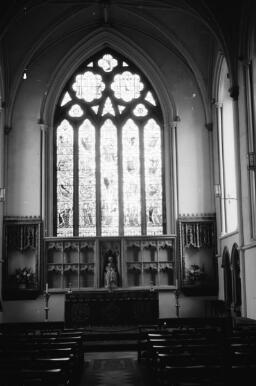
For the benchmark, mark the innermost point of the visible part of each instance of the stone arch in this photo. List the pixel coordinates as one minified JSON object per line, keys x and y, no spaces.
{"x":236,"y":280}
{"x":93,"y":44}
{"x":227,"y":277}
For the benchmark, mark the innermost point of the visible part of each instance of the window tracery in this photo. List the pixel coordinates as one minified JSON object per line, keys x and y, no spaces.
{"x":108,"y":160}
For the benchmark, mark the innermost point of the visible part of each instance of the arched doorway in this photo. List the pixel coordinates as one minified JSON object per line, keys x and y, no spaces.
{"x":227,"y":278}
{"x":236,"y":281}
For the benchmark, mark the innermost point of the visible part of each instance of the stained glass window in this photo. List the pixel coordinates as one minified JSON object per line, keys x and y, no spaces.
{"x":108,"y":136}
{"x":87,"y":180}
{"x":131,"y":179}
{"x":108,"y":108}
{"x":153,"y":177}
{"x":109,"y":179}
{"x":64,"y":165}
{"x":127,"y":86}
{"x":76,"y":111}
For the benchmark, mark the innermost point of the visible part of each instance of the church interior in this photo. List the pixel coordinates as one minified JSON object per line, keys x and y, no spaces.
{"x":128,"y":181}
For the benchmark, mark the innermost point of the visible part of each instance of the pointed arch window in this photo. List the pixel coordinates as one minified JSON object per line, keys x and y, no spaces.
{"x":108,"y":163}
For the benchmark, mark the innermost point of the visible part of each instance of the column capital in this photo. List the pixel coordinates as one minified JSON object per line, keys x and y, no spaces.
{"x":42,"y":125}
{"x":218,"y":105}
{"x":173,"y":124}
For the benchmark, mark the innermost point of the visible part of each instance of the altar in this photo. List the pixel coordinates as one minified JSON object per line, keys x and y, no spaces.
{"x":109,"y":308}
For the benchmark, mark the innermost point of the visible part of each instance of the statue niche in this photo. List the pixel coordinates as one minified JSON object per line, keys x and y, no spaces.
{"x":110,"y":275}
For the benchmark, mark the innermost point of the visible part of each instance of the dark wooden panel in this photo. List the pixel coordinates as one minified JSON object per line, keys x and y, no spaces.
{"x":111,"y":308}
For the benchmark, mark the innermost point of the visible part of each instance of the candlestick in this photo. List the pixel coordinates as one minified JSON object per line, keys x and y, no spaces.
{"x":46,"y":297}
{"x":70,"y":288}
{"x":177,"y":303}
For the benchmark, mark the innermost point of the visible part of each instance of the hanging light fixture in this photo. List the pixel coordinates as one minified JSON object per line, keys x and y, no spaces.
{"x":24,"y":76}
{"x":2,"y":194}
{"x":217,"y":190}
{"x":251,"y":164}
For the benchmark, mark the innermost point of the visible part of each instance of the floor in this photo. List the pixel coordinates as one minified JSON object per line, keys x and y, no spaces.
{"x":113,"y":369}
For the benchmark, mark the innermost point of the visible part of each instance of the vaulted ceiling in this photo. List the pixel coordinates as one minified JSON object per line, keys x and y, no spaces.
{"x":194,"y":30}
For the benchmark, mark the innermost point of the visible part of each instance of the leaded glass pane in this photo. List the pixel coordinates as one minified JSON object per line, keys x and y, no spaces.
{"x":107,"y":63}
{"x":121,"y":108}
{"x":127,"y":86}
{"x":153,"y":177}
{"x":64,"y":177}
{"x":149,"y":98}
{"x":95,"y":109}
{"x":87,"y":179}
{"x":76,"y":111}
{"x":109,"y":179}
{"x":140,"y":110}
{"x":65,"y":99}
{"x":88,"y":86}
{"x":131,"y":179}
{"x":108,"y":108}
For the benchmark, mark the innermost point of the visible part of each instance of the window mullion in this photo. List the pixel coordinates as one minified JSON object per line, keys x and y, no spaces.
{"x":120,"y":179}
{"x":142,"y":182}
{"x":55,"y":197}
{"x":98,"y":174}
{"x":76,"y":185}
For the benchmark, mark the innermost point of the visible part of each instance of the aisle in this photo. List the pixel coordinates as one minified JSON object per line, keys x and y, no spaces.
{"x":112,"y":369}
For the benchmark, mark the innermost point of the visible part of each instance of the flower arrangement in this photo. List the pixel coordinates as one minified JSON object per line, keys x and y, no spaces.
{"x":195,"y":273}
{"x":24,"y":275}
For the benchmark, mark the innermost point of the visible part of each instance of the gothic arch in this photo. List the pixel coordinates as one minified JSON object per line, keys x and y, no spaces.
{"x":236,"y":280}
{"x":227,"y":277}
{"x":92,"y":44}
{"x":95,"y":43}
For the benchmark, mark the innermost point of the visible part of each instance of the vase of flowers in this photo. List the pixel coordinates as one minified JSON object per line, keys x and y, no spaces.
{"x":195,"y":273}
{"x":24,"y":277}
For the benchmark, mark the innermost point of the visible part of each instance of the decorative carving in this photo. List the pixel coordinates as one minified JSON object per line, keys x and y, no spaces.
{"x":134,"y":266}
{"x":147,"y":260}
{"x":151,"y":267}
{"x":166,"y":244}
{"x":87,"y":267}
{"x":133,"y":244}
{"x":197,"y":249}
{"x":55,"y":268}
{"x":21,"y":257}
{"x":55,"y":246}
{"x":70,"y":268}
{"x":198,"y":234}
{"x":148,"y":244}
{"x":22,"y":236}
{"x":87,"y":245}
{"x":73,"y":246}
{"x":166,"y":266}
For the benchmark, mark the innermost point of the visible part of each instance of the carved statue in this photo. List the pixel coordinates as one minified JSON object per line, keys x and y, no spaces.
{"x":110,"y":274}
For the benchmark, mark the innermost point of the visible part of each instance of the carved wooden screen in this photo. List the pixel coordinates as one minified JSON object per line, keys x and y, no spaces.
{"x":198,"y":255}
{"x":108,"y":152}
